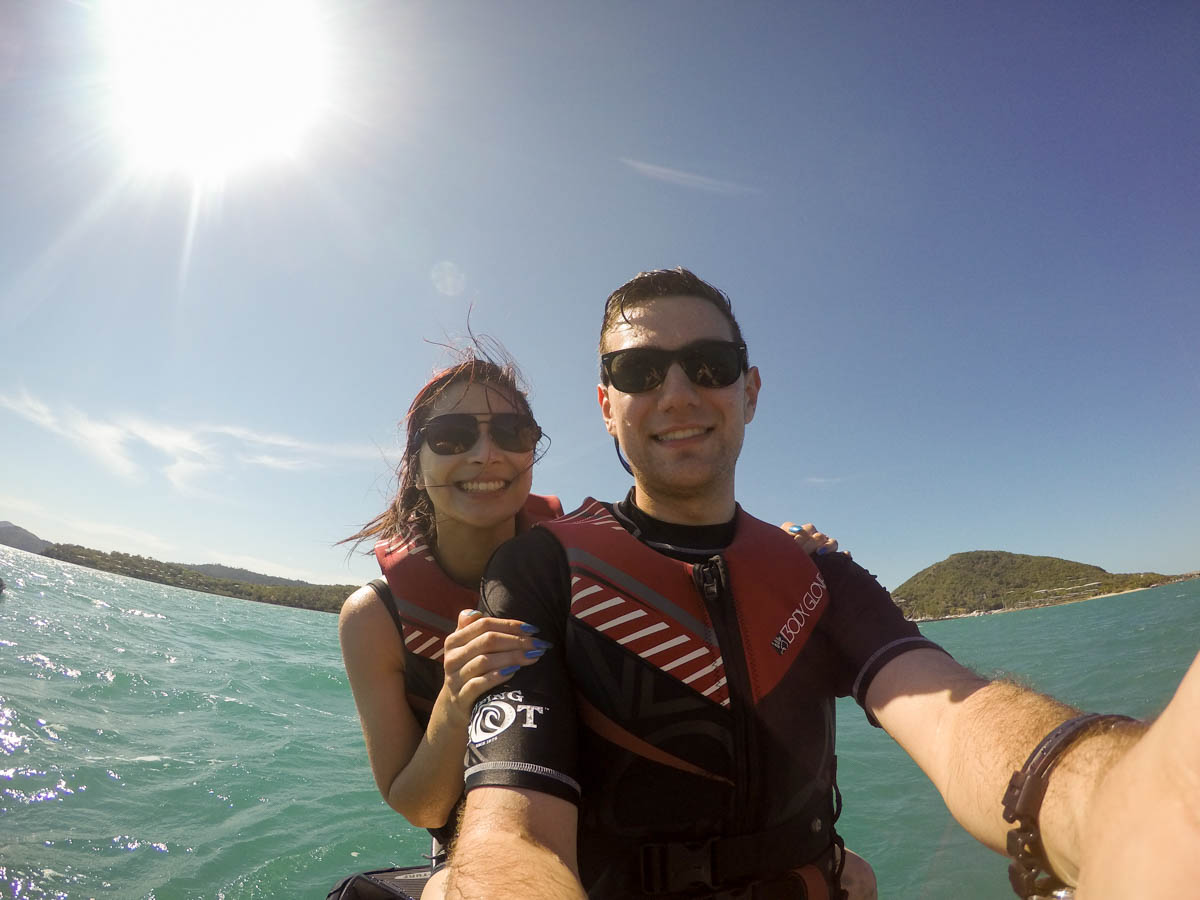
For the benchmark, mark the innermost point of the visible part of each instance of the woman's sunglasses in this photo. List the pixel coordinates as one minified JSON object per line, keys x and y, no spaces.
{"x":709,"y":364}
{"x":458,"y":432}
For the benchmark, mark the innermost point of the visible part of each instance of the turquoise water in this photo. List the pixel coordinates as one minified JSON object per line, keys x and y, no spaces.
{"x":159,"y":743}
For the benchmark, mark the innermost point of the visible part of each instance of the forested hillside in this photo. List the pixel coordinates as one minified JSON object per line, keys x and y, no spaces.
{"x":324,"y":597}
{"x":988,"y":580}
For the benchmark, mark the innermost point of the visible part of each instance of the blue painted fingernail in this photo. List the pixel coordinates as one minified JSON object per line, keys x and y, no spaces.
{"x":542,"y":645}
{"x":474,"y":612}
{"x":821,"y":551}
{"x":795,"y":529}
{"x":508,"y":670}
{"x":529,"y":629}
{"x":534,"y":654}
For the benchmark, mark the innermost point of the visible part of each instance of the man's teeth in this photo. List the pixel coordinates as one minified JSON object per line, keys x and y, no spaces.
{"x":680,"y":434}
{"x":481,"y":486}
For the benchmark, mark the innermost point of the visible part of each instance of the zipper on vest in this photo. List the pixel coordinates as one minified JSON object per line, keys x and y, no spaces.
{"x":712,"y":580}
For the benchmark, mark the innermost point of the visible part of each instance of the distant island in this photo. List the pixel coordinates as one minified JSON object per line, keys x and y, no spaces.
{"x":209,"y":578}
{"x":15,"y":536}
{"x":986,"y":581}
{"x":964,"y":584}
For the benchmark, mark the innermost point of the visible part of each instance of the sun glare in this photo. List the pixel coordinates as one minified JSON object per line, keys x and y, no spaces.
{"x":206,"y":87}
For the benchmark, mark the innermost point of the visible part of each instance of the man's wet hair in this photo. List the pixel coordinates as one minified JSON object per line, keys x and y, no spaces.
{"x":646,"y":286}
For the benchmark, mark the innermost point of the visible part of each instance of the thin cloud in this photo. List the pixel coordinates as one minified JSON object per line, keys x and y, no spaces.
{"x":189,"y":452}
{"x":103,"y":440}
{"x":286,"y":442}
{"x":688,"y":180}
{"x":277,"y":462}
{"x":27,"y":407}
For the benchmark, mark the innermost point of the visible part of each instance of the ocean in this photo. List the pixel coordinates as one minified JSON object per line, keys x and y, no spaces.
{"x":160,"y":743}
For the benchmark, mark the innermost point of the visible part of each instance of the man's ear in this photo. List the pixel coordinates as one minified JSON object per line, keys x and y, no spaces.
{"x":606,"y":408}
{"x":753,"y":386}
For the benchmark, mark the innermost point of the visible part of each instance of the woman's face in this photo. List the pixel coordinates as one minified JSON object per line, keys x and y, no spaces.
{"x":484,"y":486}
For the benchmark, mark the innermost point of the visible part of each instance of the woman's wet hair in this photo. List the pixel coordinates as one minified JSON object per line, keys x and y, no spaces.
{"x":411,"y":511}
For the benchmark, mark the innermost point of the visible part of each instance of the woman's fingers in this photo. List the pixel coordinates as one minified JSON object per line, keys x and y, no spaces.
{"x":472,"y":623}
{"x":482,"y":672}
{"x":484,"y":651}
{"x":474,"y":665}
{"x":811,"y":540}
{"x":467,"y":616}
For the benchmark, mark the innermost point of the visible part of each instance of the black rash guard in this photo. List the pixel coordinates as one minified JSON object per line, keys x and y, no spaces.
{"x":535,"y":731}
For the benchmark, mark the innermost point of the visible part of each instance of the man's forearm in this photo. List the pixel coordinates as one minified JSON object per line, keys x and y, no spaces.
{"x":1000,"y":727}
{"x":514,"y":843}
{"x":969,"y":735}
{"x":1143,"y":831}
{"x":508,"y":865}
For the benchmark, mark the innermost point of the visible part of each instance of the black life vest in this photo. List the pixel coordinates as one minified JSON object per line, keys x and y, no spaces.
{"x":732,"y":631}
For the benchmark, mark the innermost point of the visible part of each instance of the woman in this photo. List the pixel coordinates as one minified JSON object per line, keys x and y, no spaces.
{"x":417,"y":653}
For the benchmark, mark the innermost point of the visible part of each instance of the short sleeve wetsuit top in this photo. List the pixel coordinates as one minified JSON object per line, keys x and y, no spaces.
{"x":688,"y":696}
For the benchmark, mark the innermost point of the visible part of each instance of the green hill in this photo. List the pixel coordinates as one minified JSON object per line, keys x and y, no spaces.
{"x":245,"y":576}
{"x":324,"y":597}
{"x":15,"y":536}
{"x":989,"y":580}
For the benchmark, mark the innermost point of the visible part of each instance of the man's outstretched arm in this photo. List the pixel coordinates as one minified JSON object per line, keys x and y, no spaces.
{"x":969,"y":735}
{"x":1143,"y":839}
{"x":514,"y":842}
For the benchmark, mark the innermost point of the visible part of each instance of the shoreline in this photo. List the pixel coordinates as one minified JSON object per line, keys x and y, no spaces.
{"x":995,"y":612}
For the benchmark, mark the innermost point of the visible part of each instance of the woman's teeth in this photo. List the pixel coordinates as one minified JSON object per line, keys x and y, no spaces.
{"x":480,"y":487}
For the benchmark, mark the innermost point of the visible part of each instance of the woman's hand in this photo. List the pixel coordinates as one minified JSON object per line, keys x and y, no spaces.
{"x":482,"y":653}
{"x":810,"y":540}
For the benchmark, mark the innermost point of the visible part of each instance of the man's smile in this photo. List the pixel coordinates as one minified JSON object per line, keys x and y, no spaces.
{"x":681,"y":434}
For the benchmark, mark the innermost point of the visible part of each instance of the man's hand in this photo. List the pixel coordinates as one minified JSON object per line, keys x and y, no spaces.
{"x":1143,"y":835}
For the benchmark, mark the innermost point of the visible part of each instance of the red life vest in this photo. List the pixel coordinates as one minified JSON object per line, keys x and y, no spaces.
{"x":427,"y":599}
{"x":733,"y":630}
{"x":659,"y":612}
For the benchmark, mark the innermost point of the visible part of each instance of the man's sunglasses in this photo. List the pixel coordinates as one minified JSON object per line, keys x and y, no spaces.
{"x":710,"y":364}
{"x":458,"y":432}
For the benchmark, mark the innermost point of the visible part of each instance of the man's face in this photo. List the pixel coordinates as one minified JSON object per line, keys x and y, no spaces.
{"x":682,"y":440}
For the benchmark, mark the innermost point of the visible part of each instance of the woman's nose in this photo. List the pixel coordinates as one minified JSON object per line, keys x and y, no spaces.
{"x":484,"y":447}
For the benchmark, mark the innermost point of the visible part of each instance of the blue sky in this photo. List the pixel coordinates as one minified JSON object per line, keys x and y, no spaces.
{"x":963,"y":241}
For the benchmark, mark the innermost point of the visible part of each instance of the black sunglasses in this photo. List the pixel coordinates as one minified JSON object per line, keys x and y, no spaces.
{"x":458,"y":432}
{"x":710,"y":364}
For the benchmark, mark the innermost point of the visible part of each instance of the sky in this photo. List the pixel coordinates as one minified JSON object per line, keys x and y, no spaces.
{"x":962,"y":241}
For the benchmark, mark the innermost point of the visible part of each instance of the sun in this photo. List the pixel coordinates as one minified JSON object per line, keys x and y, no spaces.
{"x":208,"y":87}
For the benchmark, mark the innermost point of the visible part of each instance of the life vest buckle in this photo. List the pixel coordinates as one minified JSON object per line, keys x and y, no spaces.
{"x":677,"y":865}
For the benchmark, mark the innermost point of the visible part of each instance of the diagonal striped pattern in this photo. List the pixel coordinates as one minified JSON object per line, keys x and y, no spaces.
{"x":593,"y":512}
{"x":657,"y":639}
{"x":412,"y":545}
{"x":424,"y":643}
{"x":419,"y":637}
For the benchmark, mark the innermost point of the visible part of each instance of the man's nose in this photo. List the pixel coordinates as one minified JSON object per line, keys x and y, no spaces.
{"x":677,"y":388}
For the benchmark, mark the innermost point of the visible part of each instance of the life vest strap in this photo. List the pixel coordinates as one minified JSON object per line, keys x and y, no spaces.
{"x":734,"y":860}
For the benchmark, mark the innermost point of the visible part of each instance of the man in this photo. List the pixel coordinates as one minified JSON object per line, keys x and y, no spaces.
{"x":678,"y":741}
